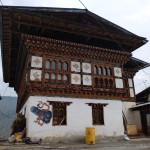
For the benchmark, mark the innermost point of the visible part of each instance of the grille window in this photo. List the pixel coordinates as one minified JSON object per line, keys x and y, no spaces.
{"x":53,"y":65}
{"x":47,"y":66}
{"x":97,"y":115}
{"x":47,"y":76}
{"x":59,"y":115}
{"x":59,"y":112}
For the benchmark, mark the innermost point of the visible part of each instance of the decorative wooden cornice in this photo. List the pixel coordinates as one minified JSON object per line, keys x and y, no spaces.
{"x":97,"y":104}
{"x":130,"y":73}
{"x":59,"y":103}
{"x":107,"y":95}
{"x":56,"y":47}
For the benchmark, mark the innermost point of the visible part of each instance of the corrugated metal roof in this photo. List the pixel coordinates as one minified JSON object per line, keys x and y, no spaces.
{"x":140,"y":105}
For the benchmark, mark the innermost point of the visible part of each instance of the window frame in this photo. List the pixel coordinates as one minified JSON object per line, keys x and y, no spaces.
{"x":59,"y":105}
{"x":59,"y":118}
{"x":47,"y":64}
{"x":95,"y":111}
{"x":98,"y":106}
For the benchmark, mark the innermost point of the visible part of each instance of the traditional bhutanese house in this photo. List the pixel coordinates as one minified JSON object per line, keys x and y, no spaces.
{"x":143,"y":106}
{"x":70,"y":68}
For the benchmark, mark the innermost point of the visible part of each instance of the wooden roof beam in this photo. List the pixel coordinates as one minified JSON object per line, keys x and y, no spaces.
{"x":75,"y":31}
{"x":64,"y":23}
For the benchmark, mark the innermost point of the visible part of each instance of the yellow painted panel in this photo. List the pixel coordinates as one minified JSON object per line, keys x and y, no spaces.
{"x":90,"y":136}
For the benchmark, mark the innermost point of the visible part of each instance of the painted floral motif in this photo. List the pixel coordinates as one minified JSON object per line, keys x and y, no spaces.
{"x":75,"y":79}
{"x":75,"y":66}
{"x":86,"y":67}
{"x":87,"y":80}
{"x":36,"y":62}
{"x":35,"y":75}
{"x":117,"y":72}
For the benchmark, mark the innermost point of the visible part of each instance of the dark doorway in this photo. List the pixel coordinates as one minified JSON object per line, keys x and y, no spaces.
{"x":144,"y":122}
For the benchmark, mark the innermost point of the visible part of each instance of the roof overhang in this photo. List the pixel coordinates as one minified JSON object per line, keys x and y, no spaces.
{"x":136,"y":64}
{"x":141,"y":107}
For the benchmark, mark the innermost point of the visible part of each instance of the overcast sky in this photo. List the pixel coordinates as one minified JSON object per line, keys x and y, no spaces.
{"x":133,"y":15}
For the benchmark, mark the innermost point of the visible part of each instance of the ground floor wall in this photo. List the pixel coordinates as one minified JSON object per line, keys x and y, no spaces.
{"x":78,"y":118}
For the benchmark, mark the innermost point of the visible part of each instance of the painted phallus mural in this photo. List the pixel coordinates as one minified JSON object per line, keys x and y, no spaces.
{"x":42,"y":112}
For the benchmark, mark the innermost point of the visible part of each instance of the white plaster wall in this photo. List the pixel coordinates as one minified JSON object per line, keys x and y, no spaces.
{"x":128,"y":112}
{"x":79,"y":116}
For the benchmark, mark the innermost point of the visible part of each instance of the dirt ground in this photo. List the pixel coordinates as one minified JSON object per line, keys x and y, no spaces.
{"x":132,"y":144}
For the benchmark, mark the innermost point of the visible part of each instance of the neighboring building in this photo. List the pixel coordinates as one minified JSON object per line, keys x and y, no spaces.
{"x":7,"y":115}
{"x":70,"y":68}
{"x":143,"y":108}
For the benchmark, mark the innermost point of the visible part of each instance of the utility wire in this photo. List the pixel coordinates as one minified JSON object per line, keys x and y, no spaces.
{"x":83,"y":4}
{"x":137,"y":85}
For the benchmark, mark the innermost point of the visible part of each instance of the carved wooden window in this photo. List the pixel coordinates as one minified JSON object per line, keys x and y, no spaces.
{"x":101,"y":82}
{"x":126,"y":83}
{"x":47,"y":65}
{"x":109,"y":71}
{"x":58,"y":71}
{"x":53,"y":76}
{"x":65,"y":66}
{"x":95,"y":70}
{"x":53,"y":65}
{"x":59,"y":77}
{"x":110,"y":82}
{"x":96,"y":81}
{"x":47,"y":76}
{"x":105,"y":71}
{"x":59,"y":112}
{"x":65,"y":78}
{"x":100,"y":71}
{"x":59,"y":115}
{"x":97,"y":113}
{"x":59,"y":66}
{"x":106,"y":82}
